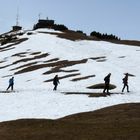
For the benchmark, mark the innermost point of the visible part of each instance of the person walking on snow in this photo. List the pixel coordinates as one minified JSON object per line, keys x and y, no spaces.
{"x":107,"y":82}
{"x":11,"y":83}
{"x":125,"y":82}
{"x":55,"y":82}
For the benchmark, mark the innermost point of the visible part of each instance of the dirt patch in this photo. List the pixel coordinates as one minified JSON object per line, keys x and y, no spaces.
{"x":101,"y":60}
{"x":82,"y":78}
{"x":63,"y":77}
{"x":5,"y":66}
{"x":101,"y":86}
{"x":33,"y":58}
{"x":16,"y":42}
{"x":25,"y":60}
{"x":122,"y":57}
{"x":63,"y":64}
{"x":69,"y":71}
{"x":7,"y":49}
{"x":97,"y":58}
{"x":20,"y":54}
{"x":23,"y":66}
{"x":56,"y":66}
{"x":2,"y":61}
{"x":35,"y":53}
{"x":51,"y":60}
{"x":120,"y":122}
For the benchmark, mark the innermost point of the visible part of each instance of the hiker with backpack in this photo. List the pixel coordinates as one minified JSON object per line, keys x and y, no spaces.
{"x":125,"y":82}
{"x":55,"y":82}
{"x":11,"y":83}
{"x":107,"y":82}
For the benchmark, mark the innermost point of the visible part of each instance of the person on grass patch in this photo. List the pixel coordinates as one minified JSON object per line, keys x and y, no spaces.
{"x":107,"y":82}
{"x":56,"y":82}
{"x":125,"y":82}
{"x":11,"y":83}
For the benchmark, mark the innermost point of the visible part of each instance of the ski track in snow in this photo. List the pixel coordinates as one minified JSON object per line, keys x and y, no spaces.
{"x":33,"y":98}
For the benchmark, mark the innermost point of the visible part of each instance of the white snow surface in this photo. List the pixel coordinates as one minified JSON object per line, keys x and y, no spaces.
{"x":34,"y":98}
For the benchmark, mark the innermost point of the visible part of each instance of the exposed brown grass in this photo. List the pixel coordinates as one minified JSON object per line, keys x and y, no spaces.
{"x":101,"y":60}
{"x":126,"y":42}
{"x":2,"y":67}
{"x":72,"y":35}
{"x":2,"y":61}
{"x":83,"y":78}
{"x":7,"y":49}
{"x":35,"y":53}
{"x":20,"y":54}
{"x":122,"y":57}
{"x":69,"y":71}
{"x":98,"y":58}
{"x":51,"y":60}
{"x":56,"y":66}
{"x":101,"y":86}
{"x":25,"y":60}
{"x":63,"y":77}
{"x":23,"y":66}
{"x":120,"y":122}
{"x":63,"y":64}
{"x":16,"y":42}
{"x":33,"y":58}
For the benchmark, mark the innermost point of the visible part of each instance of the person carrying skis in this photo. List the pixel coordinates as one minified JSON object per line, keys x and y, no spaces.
{"x":11,"y":83}
{"x":107,"y":82}
{"x":55,"y":82}
{"x":125,"y":82}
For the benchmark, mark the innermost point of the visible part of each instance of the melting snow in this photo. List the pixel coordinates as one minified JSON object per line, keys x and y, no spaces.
{"x":33,"y":98}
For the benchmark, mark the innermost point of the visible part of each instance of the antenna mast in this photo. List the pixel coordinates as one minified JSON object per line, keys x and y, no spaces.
{"x":17,"y":27}
{"x":17,"y":18}
{"x":39,"y":16}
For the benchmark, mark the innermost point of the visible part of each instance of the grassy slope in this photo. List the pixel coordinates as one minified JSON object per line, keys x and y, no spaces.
{"x":72,"y":35}
{"x":121,"y":122}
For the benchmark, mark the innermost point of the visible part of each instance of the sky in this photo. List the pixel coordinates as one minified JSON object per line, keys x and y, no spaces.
{"x":118,"y":17}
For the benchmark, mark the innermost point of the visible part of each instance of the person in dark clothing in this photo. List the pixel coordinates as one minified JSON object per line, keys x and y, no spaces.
{"x":11,"y":83}
{"x":55,"y":82}
{"x":107,"y":82}
{"x":125,"y":82}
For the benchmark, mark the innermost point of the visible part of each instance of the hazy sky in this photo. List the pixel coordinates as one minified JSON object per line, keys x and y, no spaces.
{"x":119,"y":17}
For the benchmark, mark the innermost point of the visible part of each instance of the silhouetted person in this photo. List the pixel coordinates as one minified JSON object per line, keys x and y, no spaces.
{"x":11,"y":83}
{"x":55,"y":82}
{"x":125,"y":82}
{"x":107,"y":82}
